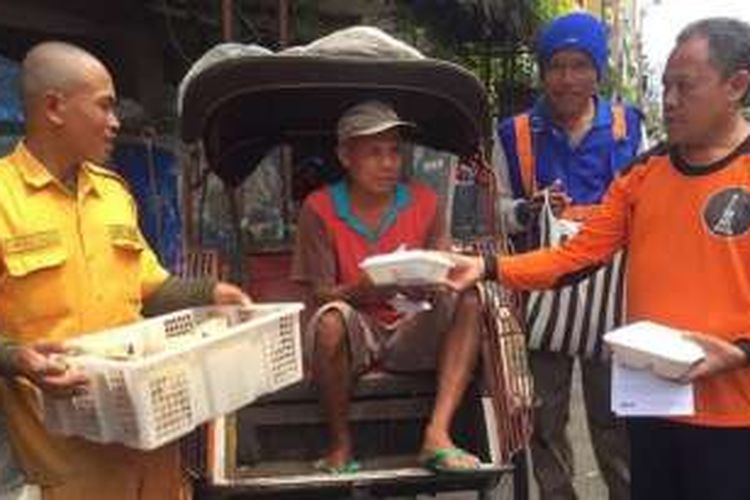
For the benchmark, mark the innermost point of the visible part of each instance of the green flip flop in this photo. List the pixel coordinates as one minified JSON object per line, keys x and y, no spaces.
{"x":439,"y":461}
{"x":350,"y":467}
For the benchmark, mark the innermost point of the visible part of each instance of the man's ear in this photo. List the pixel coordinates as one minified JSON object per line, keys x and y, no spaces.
{"x":739,"y":83}
{"x":53,"y":104}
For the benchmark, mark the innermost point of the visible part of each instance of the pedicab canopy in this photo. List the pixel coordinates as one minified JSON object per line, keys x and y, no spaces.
{"x":243,"y":100}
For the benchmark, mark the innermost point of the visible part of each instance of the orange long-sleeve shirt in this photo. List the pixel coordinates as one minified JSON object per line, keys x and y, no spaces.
{"x":687,"y":234}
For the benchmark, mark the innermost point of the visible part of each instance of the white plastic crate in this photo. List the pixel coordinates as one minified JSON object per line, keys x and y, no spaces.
{"x":185,"y":375}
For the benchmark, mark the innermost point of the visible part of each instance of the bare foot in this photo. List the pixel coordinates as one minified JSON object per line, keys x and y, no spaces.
{"x":338,"y":456}
{"x":337,"y":461}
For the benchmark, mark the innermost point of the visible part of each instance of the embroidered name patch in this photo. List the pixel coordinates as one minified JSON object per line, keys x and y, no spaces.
{"x":31,"y":241}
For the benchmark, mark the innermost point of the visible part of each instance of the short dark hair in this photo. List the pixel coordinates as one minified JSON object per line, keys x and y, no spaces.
{"x":728,"y":43}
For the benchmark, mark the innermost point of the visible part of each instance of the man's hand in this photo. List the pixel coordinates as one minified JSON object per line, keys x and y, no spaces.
{"x":558,"y":199}
{"x":365,"y":291}
{"x":721,"y":356}
{"x":427,"y":291}
{"x":226,"y":294}
{"x":38,"y":363}
{"x":468,"y":269}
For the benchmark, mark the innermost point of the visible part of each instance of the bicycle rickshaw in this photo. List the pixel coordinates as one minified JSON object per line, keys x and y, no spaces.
{"x":239,"y":108}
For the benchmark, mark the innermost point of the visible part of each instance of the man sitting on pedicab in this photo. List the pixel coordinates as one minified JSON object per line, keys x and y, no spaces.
{"x":355,"y":327}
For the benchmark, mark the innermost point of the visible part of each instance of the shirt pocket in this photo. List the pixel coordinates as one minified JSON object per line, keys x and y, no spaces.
{"x":27,"y":263}
{"x":127,"y":248}
{"x":35,"y":280}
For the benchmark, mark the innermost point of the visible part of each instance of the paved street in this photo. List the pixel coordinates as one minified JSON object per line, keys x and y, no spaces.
{"x":588,"y":482}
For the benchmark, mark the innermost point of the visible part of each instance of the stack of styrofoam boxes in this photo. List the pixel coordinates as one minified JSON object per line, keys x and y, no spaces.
{"x":193,"y":376}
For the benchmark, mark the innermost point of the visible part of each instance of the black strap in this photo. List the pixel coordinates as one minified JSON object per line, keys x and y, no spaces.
{"x":744,"y":345}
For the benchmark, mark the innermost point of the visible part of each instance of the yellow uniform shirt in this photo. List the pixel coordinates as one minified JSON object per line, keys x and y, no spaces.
{"x":70,"y":263}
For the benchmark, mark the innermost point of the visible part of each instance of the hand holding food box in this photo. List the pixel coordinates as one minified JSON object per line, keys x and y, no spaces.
{"x":407,"y":267}
{"x":646,"y":345}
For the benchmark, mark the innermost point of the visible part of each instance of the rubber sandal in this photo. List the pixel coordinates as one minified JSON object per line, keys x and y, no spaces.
{"x":438,"y":461}
{"x":350,"y":467}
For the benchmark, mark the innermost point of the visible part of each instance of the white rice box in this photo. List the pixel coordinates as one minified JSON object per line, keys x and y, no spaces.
{"x":155,"y":380}
{"x":646,"y":345}
{"x":407,"y":267}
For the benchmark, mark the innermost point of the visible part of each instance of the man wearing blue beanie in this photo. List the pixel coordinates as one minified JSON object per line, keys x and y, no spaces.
{"x":557,"y":159}
{"x":577,"y":31}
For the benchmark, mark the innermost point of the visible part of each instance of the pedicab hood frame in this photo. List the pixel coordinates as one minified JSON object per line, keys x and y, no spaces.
{"x":242,"y":107}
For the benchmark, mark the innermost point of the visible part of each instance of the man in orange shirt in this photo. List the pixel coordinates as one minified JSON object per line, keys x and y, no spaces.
{"x":72,"y":261}
{"x":682,"y":211}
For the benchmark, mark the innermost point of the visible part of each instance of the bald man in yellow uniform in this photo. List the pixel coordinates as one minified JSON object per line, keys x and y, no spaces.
{"x":72,"y":261}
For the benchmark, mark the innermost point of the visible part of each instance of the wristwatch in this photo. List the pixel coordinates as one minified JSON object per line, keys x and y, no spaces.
{"x":490,"y":265}
{"x":744,"y":345}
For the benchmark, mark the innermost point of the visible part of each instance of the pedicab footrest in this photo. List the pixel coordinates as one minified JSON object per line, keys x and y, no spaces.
{"x":388,"y":481}
{"x":156,"y":380}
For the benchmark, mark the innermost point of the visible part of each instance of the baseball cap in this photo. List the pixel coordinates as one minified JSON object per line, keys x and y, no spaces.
{"x":368,"y":118}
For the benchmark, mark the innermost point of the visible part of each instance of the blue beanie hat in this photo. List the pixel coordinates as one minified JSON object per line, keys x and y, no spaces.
{"x":580,"y":31}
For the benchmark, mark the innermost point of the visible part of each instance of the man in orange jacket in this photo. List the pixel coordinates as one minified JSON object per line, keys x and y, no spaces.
{"x":682,"y":211}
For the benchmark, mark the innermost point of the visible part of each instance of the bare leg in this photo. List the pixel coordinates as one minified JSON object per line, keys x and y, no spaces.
{"x":458,"y":358}
{"x":331,"y":368}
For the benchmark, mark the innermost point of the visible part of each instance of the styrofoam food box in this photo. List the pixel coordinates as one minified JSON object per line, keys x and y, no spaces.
{"x":651,"y":346}
{"x":406,"y":267}
{"x":185,"y":368}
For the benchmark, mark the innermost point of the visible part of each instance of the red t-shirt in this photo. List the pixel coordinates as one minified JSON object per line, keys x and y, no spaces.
{"x":331,"y":242}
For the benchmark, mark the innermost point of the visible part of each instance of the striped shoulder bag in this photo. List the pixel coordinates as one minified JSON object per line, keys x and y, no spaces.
{"x":570,"y":319}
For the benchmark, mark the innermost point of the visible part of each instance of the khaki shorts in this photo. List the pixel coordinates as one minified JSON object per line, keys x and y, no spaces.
{"x":412,"y":346}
